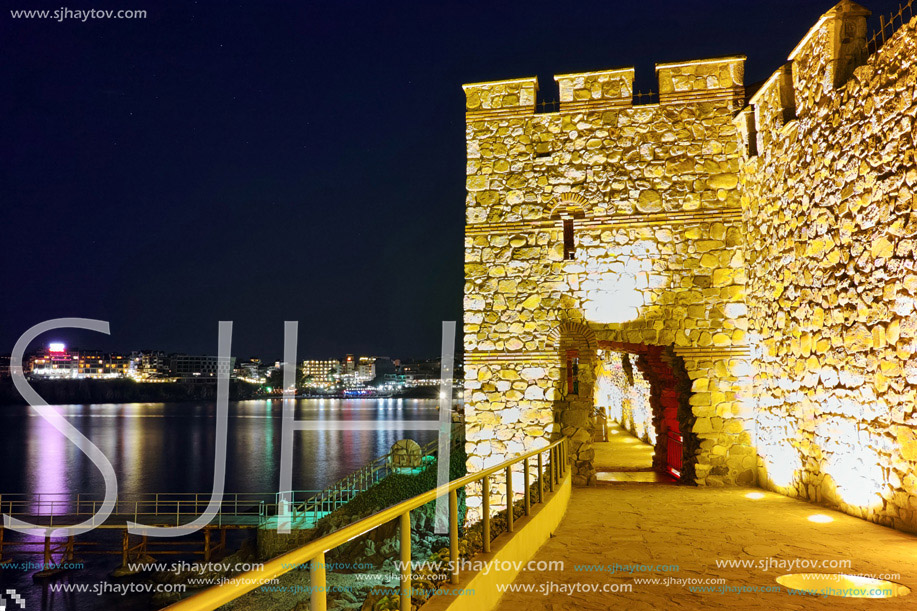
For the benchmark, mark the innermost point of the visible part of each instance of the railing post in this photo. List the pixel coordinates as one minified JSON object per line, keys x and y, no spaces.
{"x":525,"y":483}
{"x":485,"y":506}
{"x":540,"y":478}
{"x":567,"y":455}
{"x":509,"y":499}
{"x":319,"y":598}
{"x":405,"y":597}
{"x":453,"y":535}
{"x":556,"y":463}
{"x":548,"y":470}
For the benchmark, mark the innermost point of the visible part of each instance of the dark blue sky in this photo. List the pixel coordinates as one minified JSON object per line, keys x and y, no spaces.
{"x":261,"y":161}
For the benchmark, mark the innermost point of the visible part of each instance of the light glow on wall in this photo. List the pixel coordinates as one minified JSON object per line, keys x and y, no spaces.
{"x":611,"y":298}
{"x":781,"y":460}
{"x":857,"y":473}
{"x":614,"y":289}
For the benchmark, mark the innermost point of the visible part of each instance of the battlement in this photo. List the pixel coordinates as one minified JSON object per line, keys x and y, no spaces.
{"x":824,"y":60}
{"x":701,"y":80}
{"x":774,"y":106}
{"x":501,"y":98}
{"x":588,"y":90}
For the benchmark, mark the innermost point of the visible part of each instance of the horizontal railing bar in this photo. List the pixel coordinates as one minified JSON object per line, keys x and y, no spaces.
{"x":20,"y":497}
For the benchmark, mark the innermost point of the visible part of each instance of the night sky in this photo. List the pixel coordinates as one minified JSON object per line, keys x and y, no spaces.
{"x":262,"y":162}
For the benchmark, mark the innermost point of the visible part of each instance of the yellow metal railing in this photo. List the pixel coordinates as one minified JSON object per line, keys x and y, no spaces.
{"x":549,"y":473}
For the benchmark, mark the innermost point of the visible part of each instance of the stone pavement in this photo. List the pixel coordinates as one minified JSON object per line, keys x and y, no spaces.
{"x":622,"y":452}
{"x":652,"y":524}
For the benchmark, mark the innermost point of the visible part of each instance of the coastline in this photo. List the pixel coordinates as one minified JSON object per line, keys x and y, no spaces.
{"x":123,"y":391}
{"x":60,"y":392}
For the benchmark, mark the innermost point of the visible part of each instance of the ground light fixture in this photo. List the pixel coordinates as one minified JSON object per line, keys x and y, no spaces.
{"x":841,"y":585}
{"x":820,"y":518}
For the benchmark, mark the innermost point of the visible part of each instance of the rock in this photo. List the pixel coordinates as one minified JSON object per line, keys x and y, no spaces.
{"x":649,"y":201}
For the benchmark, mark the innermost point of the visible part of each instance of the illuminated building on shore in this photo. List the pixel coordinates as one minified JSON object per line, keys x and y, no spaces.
{"x":55,"y":363}
{"x":320,"y":373}
{"x":251,"y":371}
{"x":96,"y":366}
{"x":366,"y":370}
{"x":150,"y":366}
{"x":189,"y":368}
{"x":61,"y":364}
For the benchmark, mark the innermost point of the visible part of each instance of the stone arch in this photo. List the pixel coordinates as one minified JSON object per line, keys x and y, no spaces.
{"x":574,"y":345}
{"x":571,"y":329}
{"x":569,"y":206}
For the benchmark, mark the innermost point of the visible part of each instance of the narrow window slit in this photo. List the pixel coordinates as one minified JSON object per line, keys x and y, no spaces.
{"x":569,"y":246}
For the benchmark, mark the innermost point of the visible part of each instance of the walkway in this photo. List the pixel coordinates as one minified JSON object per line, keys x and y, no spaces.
{"x":652,"y":524}
{"x":624,"y":458}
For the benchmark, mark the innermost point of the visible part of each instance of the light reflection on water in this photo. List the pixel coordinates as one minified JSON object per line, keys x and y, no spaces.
{"x":169,"y":447}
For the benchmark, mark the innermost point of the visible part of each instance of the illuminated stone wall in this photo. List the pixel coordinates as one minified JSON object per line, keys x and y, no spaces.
{"x":650,"y":193}
{"x":830,"y":185}
{"x":764,"y":250}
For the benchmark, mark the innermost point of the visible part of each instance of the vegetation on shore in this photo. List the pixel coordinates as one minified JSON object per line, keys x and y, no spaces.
{"x":123,"y":391}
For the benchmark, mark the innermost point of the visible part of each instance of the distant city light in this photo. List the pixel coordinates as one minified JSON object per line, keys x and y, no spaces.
{"x":57,"y":347}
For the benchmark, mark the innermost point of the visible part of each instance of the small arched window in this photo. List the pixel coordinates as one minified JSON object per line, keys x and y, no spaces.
{"x":573,"y":372}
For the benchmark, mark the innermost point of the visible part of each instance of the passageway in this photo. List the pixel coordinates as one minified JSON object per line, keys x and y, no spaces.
{"x":624,"y":458}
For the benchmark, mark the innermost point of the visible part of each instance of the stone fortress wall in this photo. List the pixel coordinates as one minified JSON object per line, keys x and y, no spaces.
{"x":650,"y":193}
{"x":687,"y":233}
{"x":828,"y":187}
